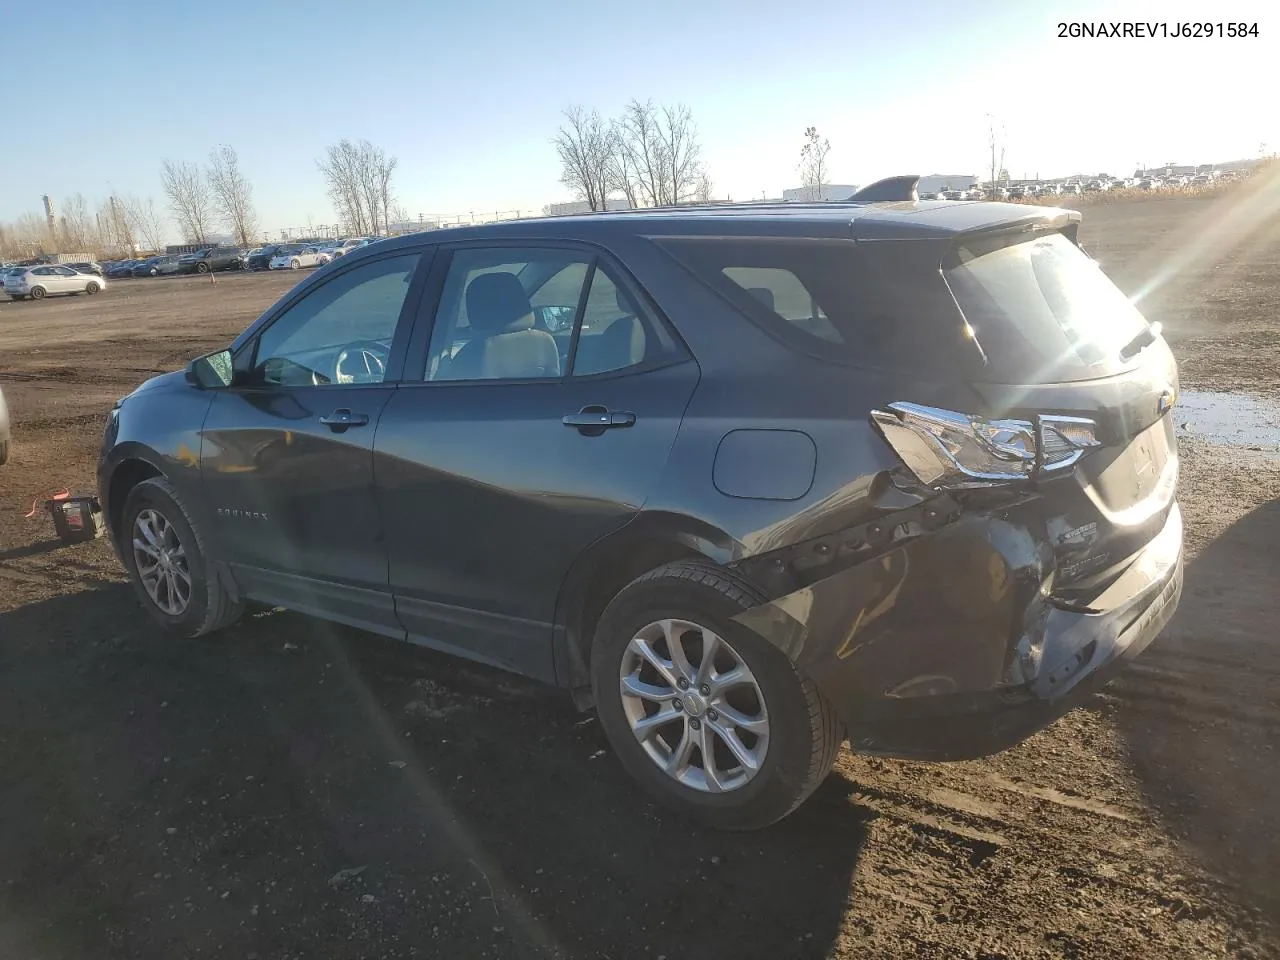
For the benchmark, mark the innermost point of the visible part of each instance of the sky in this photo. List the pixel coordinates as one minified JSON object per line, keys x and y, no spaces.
{"x":467,"y":95}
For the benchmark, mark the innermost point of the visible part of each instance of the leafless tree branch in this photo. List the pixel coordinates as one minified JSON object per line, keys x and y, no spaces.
{"x":813,"y":163}
{"x":190,"y":199}
{"x":232,"y":194}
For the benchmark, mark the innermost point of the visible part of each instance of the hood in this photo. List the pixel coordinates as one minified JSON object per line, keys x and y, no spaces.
{"x":164,"y":381}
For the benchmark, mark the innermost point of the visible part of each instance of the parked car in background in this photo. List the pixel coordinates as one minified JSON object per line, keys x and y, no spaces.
{"x":143,"y":267}
{"x":211,"y":259}
{"x":342,"y":247}
{"x":4,"y":430}
{"x":723,"y":504}
{"x":155,"y":266}
{"x":50,"y":280}
{"x":294,"y":256}
{"x":121,"y":269}
{"x":260,"y":259}
{"x":86,"y":267}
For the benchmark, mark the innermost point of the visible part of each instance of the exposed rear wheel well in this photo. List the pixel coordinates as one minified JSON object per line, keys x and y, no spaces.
{"x":614,"y":571}
{"x":128,"y":475}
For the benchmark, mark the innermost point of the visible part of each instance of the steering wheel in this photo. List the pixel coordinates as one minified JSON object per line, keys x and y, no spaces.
{"x":364,"y":361}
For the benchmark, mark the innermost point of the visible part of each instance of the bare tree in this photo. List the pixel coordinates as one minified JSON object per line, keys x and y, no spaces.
{"x":655,"y":155}
{"x":189,"y":198}
{"x":995,"y":138}
{"x":702,"y":192}
{"x":359,"y":177}
{"x":146,"y":221}
{"x":641,"y":148}
{"x":621,"y":173}
{"x":385,"y":168}
{"x":813,"y":163}
{"x":585,"y":147}
{"x":78,"y":226}
{"x":232,"y":194}
{"x":680,"y":150}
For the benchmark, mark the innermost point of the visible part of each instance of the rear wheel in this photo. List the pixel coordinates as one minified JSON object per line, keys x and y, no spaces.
{"x":202,"y":268}
{"x":165,"y":557}
{"x":711,"y":719}
{"x":91,"y":288}
{"x":37,"y":293}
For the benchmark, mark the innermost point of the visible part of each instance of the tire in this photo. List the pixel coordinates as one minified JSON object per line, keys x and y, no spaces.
{"x":294,"y":264}
{"x":4,"y":452}
{"x":803,"y":731}
{"x":154,"y":272}
{"x":91,"y":288}
{"x":202,"y":267}
{"x":37,"y":293}
{"x":209,"y":605}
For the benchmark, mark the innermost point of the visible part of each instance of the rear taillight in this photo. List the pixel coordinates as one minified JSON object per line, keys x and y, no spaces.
{"x":955,"y":450}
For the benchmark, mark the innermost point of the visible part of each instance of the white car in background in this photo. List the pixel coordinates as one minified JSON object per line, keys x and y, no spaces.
{"x":297,"y":256}
{"x":342,"y":247}
{"x":49,"y":279}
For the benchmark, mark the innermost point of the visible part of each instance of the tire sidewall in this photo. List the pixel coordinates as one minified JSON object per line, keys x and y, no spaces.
{"x":151,"y":494}
{"x":37,"y":293}
{"x":202,"y":268}
{"x":91,"y":288}
{"x":786,"y":762}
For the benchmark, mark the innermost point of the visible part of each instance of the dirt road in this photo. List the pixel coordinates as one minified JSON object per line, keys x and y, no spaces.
{"x":165,"y":800}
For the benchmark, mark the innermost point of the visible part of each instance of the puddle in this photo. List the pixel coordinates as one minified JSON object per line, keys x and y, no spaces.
{"x":1232,"y":419}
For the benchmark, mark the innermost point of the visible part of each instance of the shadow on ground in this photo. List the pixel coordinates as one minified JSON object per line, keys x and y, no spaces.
{"x":1199,"y":712}
{"x":167,"y":799}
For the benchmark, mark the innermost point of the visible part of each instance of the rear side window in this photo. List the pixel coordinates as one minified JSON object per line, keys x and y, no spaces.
{"x":881,"y":305}
{"x":1042,"y":304}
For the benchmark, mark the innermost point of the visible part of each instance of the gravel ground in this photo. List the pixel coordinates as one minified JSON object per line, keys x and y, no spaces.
{"x":291,"y":789}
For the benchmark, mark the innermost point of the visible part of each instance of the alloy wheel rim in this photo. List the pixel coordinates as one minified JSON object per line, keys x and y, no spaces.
{"x":694,"y":706}
{"x":161,"y":560}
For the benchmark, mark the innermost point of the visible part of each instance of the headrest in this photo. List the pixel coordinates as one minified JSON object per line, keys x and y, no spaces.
{"x":496,"y":303}
{"x":763,"y":294}
{"x":623,"y":301}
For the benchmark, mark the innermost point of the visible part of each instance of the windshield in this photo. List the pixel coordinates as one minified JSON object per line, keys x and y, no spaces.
{"x":1042,"y":305}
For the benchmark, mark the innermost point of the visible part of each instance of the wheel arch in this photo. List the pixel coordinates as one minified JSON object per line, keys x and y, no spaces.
{"x":609,"y":564}
{"x":130,"y":471}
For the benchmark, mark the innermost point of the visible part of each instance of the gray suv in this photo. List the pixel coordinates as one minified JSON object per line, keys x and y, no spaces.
{"x":750,"y":480}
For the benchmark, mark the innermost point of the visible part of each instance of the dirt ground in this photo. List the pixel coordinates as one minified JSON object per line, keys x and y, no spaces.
{"x":189,"y":800}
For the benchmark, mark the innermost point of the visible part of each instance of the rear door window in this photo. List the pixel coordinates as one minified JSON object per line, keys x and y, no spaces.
{"x":880,"y":305}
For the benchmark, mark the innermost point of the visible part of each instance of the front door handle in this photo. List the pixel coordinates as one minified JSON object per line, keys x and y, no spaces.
{"x":594,"y":417}
{"x":342,"y":418}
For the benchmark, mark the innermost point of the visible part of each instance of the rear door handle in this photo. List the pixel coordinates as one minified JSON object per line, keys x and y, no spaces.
{"x":342,"y":418}
{"x":595,"y":417}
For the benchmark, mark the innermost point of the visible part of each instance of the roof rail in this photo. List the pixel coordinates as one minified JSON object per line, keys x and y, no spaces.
{"x":890,"y":188}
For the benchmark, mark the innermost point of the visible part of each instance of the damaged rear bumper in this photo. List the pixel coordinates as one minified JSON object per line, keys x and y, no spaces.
{"x":953,"y":646}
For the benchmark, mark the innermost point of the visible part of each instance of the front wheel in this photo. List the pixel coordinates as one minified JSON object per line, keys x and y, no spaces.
{"x":202,"y":268}
{"x":91,"y":288}
{"x":710,"y":718}
{"x":164,"y":554}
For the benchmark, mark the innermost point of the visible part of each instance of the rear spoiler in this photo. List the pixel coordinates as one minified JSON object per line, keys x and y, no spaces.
{"x":890,"y":188}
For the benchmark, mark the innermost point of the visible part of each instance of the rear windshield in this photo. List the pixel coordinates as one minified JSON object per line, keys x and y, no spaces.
{"x":1041,"y":305}
{"x":881,"y":305}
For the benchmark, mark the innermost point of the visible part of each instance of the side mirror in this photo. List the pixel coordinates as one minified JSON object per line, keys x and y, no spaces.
{"x":555,"y":319}
{"x":215,"y":371}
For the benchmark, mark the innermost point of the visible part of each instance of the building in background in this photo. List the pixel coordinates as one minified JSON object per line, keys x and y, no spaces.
{"x":829,"y":191}
{"x":581,"y":206}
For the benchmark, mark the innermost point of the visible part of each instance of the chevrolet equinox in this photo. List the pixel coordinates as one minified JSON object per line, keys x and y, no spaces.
{"x":751,"y":479}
